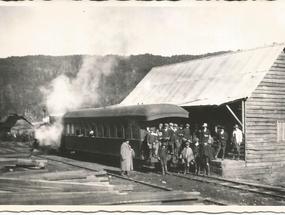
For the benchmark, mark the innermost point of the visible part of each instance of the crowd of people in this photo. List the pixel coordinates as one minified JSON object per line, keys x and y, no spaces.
{"x":189,"y":150}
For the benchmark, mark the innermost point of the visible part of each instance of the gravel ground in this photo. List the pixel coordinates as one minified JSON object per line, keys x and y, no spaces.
{"x":215,"y":192}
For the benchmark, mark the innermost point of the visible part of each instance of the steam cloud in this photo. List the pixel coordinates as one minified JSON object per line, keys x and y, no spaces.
{"x":65,"y":94}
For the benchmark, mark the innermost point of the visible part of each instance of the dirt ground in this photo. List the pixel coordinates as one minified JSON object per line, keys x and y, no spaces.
{"x":218,"y":193}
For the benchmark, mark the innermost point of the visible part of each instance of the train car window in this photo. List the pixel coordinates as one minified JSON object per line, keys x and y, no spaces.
{"x":94,"y":129}
{"x":72,"y":129}
{"x":106,"y":130}
{"x":81,"y":132}
{"x":128,"y":132}
{"x":123,"y":132}
{"x":77,"y":131}
{"x":142,"y":134}
{"x":135,"y":132}
{"x":67,"y":127}
{"x":112,"y":131}
{"x":100,"y":131}
{"x":120,"y":131}
{"x":87,"y":129}
{"x":84,"y":132}
{"x":90,"y":128}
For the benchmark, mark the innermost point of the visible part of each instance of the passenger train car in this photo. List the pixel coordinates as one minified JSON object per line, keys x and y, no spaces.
{"x":102,"y":130}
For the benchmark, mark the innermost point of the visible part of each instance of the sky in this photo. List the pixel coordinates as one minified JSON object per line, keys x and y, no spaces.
{"x":65,"y":28}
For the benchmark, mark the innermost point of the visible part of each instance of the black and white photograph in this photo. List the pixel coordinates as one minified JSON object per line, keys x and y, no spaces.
{"x":178,"y":104}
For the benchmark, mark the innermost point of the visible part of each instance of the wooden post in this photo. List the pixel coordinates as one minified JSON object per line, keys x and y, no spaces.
{"x":243,"y":115}
{"x":243,"y":127}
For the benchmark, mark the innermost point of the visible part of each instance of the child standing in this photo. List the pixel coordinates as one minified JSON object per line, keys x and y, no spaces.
{"x":187,"y":157}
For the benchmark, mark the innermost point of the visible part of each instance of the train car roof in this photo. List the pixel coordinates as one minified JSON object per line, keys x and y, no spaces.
{"x":145,"y":112}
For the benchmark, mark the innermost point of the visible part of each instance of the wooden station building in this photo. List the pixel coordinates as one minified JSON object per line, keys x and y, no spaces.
{"x":244,"y":87}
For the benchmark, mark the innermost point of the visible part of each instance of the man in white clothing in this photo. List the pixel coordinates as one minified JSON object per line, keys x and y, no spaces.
{"x":237,"y":138}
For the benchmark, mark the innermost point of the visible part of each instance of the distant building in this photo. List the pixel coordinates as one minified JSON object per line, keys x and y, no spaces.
{"x":243,"y":87}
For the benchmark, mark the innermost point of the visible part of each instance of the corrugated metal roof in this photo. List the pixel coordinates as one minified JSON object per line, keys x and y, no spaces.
{"x":146,"y":112}
{"x":207,"y":81}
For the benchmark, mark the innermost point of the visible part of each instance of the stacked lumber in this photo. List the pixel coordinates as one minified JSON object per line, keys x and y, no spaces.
{"x":21,"y":183}
{"x":98,"y":198}
{"x":14,"y":149}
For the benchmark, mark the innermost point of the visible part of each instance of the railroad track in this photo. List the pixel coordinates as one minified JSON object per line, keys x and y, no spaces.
{"x":276,"y":192}
{"x":108,"y":172}
{"x":195,"y":199}
{"x":272,"y":191}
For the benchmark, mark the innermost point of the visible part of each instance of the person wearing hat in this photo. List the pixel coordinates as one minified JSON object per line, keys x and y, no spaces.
{"x":180,"y":134}
{"x":222,"y":139}
{"x":152,"y":137}
{"x":162,"y":157}
{"x":160,"y":126}
{"x":127,"y":154}
{"x":187,"y":156}
{"x":159,"y":131}
{"x":187,"y":132}
{"x":166,"y":134}
{"x":155,"y":148}
{"x":145,"y":146}
{"x":173,"y":139}
{"x":197,"y":161}
{"x":205,"y":149}
{"x":237,"y":138}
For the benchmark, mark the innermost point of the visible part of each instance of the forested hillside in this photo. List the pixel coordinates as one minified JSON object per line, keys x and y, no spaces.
{"x":22,"y":77}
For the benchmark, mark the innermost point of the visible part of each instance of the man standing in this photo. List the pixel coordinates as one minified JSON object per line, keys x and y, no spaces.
{"x":159,"y":132}
{"x":172,"y":136}
{"x":187,"y":132}
{"x":237,"y":140}
{"x":222,"y":139}
{"x":152,"y":137}
{"x":205,"y":148}
{"x":166,"y":135}
{"x":145,"y":146}
{"x":127,"y":154}
{"x":197,"y":160}
{"x":162,"y":156}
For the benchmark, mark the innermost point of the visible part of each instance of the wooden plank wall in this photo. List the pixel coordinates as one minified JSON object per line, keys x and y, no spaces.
{"x":265,"y":106}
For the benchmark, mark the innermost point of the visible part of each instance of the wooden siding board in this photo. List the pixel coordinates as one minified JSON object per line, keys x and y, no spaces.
{"x":270,"y":88}
{"x":265,"y":104}
{"x":263,"y":149}
{"x":275,"y":75}
{"x":260,"y":123}
{"x":267,"y":107}
{"x":265,"y":95}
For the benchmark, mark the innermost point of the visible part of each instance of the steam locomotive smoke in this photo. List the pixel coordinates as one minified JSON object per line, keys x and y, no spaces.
{"x":65,"y":94}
